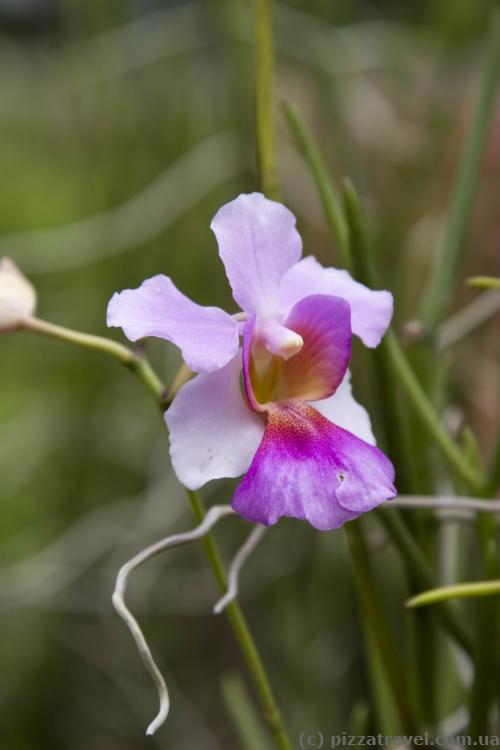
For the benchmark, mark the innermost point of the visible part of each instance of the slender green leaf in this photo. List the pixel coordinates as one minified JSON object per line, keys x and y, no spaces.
{"x":465,"y":186}
{"x":395,"y":363}
{"x":377,"y":624}
{"x":456,"y":591}
{"x":484,"y":282}
{"x":243,"y":713}
{"x":330,"y":199}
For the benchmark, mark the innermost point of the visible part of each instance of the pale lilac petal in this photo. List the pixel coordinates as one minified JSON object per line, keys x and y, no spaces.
{"x":258,"y":243}
{"x":343,"y":410}
{"x":371,"y":310}
{"x":323,"y":323}
{"x":213,"y":433}
{"x":207,"y":336}
{"x":308,"y":468}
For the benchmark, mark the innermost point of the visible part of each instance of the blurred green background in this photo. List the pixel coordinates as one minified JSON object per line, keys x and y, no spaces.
{"x":124,"y":125}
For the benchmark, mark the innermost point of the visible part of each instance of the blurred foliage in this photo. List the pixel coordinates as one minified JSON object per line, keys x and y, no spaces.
{"x":123,"y":127}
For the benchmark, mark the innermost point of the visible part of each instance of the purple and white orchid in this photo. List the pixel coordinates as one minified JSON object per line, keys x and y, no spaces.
{"x":293,"y":428}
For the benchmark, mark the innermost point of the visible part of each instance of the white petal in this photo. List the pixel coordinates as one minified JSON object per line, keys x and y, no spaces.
{"x":207,"y":336}
{"x":258,"y":243}
{"x":371,"y":309}
{"x":213,"y":433}
{"x":343,"y":410}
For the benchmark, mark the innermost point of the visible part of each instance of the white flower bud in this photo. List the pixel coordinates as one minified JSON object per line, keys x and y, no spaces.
{"x":17,"y":296}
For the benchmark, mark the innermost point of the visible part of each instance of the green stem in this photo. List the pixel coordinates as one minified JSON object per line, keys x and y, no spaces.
{"x":485,"y":663}
{"x":356,"y":247}
{"x":264,"y":101}
{"x":332,"y":205}
{"x":422,"y":573}
{"x":348,"y":235}
{"x":149,"y":378}
{"x":243,"y":634}
{"x":396,"y":360}
{"x":378,"y":626}
{"x":394,"y":424}
{"x":465,"y":186}
{"x":268,"y":167}
{"x":131,"y":359}
{"x":487,"y":610}
{"x":429,"y":418}
{"x":438,"y":294}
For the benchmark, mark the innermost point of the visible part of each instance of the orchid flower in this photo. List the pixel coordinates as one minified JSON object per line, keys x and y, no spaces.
{"x":278,"y":408}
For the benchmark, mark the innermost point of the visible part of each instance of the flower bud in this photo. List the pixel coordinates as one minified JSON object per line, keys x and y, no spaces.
{"x":17,"y":296}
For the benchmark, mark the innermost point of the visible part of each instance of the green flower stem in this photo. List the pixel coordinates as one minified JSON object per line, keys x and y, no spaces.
{"x":378,"y":626}
{"x":264,"y":100}
{"x":243,"y":635}
{"x":131,"y":359}
{"x":88,"y":341}
{"x":455,"y":591}
{"x":465,"y":186}
{"x":332,"y":205}
{"x":150,"y":379}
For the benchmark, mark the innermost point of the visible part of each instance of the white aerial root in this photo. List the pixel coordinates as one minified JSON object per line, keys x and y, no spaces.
{"x":445,"y":502}
{"x":212,"y":517}
{"x":234,"y":571}
{"x":174,"y":540}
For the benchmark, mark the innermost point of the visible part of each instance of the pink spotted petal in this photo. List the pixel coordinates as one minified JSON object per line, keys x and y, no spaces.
{"x":310,"y":469}
{"x":258,"y":243}
{"x":207,"y":336}
{"x":315,"y":372}
{"x":213,"y":433}
{"x":371,"y":310}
